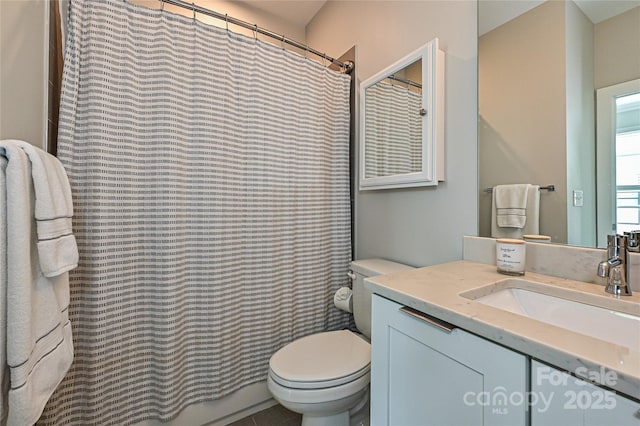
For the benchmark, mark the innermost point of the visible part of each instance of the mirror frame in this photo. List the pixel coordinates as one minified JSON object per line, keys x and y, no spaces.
{"x":432,"y":123}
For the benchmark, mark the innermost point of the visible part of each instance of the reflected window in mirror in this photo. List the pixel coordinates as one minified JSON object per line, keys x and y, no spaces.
{"x":628,"y":163}
{"x":618,"y":159}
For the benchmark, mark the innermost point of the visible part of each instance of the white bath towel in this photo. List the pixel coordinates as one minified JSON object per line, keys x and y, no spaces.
{"x":531,"y":223}
{"x":37,"y":333}
{"x":57,"y":249}
{"x":511,"y":205}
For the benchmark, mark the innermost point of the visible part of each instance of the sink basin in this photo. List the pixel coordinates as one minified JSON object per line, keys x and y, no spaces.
{"x":612,"y":320}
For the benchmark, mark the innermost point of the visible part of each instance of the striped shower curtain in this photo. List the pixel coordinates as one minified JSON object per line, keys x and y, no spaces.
{"x":210,"y":176}
{"x":393,"y":130}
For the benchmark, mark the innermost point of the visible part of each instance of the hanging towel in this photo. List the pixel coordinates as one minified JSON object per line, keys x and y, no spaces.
{"x":511,"y":205}
{"x":531,"y":222}
{"x":57,"y":249}
{"x":37,"y":332}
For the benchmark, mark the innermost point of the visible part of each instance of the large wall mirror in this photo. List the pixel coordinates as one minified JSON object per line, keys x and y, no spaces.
{"x":402,"y":122}
{"x":541,"y":64}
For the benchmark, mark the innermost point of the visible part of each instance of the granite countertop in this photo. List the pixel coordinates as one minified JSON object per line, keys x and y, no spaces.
{"x":436,"y":290}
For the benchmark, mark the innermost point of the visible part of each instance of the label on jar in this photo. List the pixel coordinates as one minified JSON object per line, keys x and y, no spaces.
{"x":510,"y":256}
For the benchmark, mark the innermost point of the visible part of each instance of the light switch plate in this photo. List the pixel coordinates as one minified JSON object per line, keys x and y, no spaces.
{"x":578,"y":198}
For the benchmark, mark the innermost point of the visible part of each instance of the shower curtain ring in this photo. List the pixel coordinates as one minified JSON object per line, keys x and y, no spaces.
{"x":226,"y":20}
{"x":255,"y":31}
{"x":284,"y":40}
{"x":194,"y":11}
{"x":161,"y":5}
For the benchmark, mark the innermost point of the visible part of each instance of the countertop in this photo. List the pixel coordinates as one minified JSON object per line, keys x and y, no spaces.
{"x":435,"y":290}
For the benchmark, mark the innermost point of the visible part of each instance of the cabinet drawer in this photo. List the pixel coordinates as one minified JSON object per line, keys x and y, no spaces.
{"x":561,"y":399}
{"x":425,"y":372}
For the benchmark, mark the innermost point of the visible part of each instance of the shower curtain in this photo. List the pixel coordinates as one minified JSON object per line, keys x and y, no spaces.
{"x":393,"y":130}
{"x":210,"y":176}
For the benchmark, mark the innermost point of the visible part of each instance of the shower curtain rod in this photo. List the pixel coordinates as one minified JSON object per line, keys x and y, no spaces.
{"x":346,"y":67}
{"x":405,"y":81}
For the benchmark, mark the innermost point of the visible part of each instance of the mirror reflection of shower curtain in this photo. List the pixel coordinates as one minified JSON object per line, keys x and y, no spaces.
{"x":210,"y":173}
{"x":393,"y":130}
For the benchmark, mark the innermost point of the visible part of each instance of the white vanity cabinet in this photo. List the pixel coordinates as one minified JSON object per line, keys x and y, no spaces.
{"x":561,"y":399}
{"x":424,"y":375}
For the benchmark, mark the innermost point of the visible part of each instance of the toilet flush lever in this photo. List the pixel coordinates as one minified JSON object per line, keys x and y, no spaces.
{"x":351,"y":275}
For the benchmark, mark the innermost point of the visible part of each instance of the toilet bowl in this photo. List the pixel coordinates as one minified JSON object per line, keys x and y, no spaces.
{"x":321,"y":376}
{"x":325,"y":376}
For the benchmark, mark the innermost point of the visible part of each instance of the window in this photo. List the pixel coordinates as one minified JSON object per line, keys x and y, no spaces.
{"x":627,"y":150}
{"x":618,"y":159}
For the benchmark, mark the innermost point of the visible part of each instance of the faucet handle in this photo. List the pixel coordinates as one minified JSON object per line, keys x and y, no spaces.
{"x":603,"y":269}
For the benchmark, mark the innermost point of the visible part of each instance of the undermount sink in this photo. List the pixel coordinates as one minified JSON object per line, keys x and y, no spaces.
{"x":612,"y":320}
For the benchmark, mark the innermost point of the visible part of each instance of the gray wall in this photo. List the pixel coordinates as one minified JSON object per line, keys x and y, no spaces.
{"x":420,"y":226}
{"x":617,"y":49}
{"x":24,"y":50}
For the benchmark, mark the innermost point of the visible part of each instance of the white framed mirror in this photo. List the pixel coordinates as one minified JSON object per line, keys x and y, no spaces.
{"x":402,"y":122}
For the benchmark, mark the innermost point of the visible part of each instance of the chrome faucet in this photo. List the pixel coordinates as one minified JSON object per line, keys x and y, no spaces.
{"x":615,"y":267}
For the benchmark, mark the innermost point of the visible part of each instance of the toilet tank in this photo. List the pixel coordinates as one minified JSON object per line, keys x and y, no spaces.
{"x":361,"y":296}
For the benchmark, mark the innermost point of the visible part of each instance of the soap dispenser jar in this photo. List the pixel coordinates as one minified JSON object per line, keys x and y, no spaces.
{"x":510,"y":256}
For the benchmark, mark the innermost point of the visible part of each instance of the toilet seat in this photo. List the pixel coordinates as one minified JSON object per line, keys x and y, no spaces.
{"x":341,"y":393}
{"x":321,"y":384}
{"x":322,"y":360}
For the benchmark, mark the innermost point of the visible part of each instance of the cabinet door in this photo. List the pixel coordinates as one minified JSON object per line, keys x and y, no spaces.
{"x":423,"y":375}
{"x":557,"y":398}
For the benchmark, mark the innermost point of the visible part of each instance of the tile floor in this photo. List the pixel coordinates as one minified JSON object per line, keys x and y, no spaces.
{"x":273,"y":416}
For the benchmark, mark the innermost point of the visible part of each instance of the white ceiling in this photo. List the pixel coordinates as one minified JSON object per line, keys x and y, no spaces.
{"x":493,"y":13}
{"x":298,"y":12}
{"x":599,"y":11}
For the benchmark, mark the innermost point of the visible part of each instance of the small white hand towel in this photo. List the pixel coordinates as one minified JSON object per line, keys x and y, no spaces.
{"x":532,"y":225}
{"x":511,"y":205}
{"x":57,"y":249}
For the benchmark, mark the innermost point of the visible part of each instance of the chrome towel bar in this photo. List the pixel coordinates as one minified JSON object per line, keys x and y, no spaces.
{"x":549,"y":188}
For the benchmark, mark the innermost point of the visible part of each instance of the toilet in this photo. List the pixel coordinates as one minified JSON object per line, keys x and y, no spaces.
{"x":325,"y":376}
